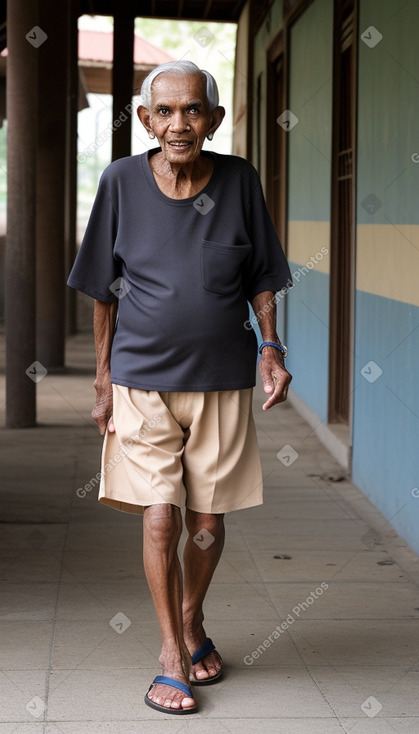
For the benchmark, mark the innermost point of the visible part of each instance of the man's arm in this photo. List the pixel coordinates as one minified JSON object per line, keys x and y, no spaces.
{"x":271,"y":366}
{"x":104,"y":317}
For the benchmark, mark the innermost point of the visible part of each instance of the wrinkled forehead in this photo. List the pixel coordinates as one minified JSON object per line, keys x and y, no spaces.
{"x":179,"y":87}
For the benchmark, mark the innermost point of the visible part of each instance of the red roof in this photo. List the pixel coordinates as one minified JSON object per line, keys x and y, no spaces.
{"x":98,"y":46}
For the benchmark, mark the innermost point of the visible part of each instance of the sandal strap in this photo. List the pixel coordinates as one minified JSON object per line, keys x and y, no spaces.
{"x":205,"y":649}
{"x":173,"y":683}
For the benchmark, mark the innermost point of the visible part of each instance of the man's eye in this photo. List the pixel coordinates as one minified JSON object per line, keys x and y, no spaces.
{"x":163,"y":111}
{"x":194,"y":110}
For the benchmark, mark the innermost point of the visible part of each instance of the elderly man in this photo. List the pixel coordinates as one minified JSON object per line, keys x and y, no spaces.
{"x":178,"y":242}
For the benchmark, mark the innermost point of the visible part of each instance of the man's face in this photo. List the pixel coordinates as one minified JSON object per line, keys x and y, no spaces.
{"x":180,"y":116}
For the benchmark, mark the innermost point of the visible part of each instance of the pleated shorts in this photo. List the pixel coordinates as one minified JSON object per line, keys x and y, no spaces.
{"x":191,"y":449}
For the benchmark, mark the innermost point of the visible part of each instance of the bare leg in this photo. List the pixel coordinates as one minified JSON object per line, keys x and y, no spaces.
{"x":199,"y":567}
{"x":162,"y":530}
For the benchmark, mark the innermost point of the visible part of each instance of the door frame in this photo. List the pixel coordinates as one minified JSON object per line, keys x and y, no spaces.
{"x":274,"y":52}
{"x":333,"y":397}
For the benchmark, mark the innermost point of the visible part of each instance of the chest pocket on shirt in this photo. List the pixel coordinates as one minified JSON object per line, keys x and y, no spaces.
{"x":221,"y":266}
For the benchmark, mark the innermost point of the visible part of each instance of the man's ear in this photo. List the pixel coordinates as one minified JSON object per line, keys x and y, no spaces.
{"x":217,"y":116}
{"x":144,"y":117}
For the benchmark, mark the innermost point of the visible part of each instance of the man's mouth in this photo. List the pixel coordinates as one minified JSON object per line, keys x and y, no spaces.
{"x":180,"y":144}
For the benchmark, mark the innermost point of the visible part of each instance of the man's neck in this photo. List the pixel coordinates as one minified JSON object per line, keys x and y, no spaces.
{"x":181,"y":181}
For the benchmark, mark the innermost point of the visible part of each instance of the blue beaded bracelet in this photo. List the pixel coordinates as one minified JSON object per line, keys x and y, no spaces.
{"x":282,"y":348}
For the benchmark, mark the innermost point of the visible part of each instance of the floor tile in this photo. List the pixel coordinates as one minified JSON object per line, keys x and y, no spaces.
{"x":283,"y":725}
{"x":28,"y":601}
{"x":330,"y":565}
{"x":31,"y":566}
{"x":104,"y":645}
{"x":291,"y":692}
{"x":33,"y":537}
{"x":16,"y":728}
{"x":345,"y":600}
{"x":100,"y":536}
{"x":384,"y":691}
{"x":239,"y":602}
{"x":96,"y":565}
{"x":90,"y":601}
{"x":378,"y":725}
{"x":99,"y":695}
{"x":236,"y":567}
{"x":357,"y":642}
{"x":236,"y":641}
{"x":20,"y":689}
{"x":317,"y":534}
{"x":25,"y":645}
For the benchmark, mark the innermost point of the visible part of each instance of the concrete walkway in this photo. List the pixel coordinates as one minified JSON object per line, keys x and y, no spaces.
{"x":314,"y":606}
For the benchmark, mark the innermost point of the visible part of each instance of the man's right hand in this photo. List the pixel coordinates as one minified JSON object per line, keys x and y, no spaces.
{"x":102,"y":411}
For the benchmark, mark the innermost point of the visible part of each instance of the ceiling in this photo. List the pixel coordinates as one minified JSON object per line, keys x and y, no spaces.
{"x":222,"y":10}
{"x":210,"y":10}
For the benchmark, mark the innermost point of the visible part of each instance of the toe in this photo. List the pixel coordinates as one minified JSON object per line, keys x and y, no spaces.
{"x":188,"y":703}
{"x":201,"y":673}
{"x":172,"y":703}
{"x":208,"y":667}
{"x":170,"y":698}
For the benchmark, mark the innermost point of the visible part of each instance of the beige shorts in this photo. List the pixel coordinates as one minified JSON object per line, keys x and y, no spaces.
{"x":193,"y":449}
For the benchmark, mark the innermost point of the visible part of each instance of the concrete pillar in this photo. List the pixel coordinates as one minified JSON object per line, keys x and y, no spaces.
{"x":122,"y":83}
{"x":51,"y":170}
{"x":23,"y":40}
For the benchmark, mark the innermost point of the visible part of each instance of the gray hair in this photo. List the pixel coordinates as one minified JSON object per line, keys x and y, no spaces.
{"x":180,"y":68}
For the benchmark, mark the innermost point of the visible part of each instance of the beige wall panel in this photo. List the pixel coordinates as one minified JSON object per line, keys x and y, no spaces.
{"x":305,"y":241}
{"x":388,"y":261}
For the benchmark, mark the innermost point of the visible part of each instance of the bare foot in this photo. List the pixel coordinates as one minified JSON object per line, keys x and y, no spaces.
{"x":211,"y":664}
{"x":167,"y":696}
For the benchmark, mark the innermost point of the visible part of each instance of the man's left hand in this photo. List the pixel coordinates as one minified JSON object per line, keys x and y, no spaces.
{"x":275,"y":377}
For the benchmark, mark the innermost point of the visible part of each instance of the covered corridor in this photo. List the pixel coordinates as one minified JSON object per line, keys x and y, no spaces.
{"x":314,"y":606}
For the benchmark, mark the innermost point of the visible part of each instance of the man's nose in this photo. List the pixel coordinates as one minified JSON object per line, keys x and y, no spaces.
{"x":179,"y":122}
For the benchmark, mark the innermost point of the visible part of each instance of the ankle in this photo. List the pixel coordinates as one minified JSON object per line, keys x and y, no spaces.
{"x":170,"y":659}
{"x":191,"y":615}
{"x":174,"y":665}
{"x":194,"y":632}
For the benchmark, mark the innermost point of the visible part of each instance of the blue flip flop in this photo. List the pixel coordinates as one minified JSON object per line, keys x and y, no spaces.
{"x":200,"y":653}
{"x":174,"y":684}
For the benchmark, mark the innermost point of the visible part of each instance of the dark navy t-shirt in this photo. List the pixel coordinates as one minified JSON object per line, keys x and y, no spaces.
{"x":182,"y":271}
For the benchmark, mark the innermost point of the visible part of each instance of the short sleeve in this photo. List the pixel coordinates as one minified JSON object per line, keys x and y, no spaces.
{"x":95,"y":267}
{"x":267,"y":268}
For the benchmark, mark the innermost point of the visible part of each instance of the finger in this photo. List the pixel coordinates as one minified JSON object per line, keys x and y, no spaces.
{"x":278,"y":396}
{"x":268,"y":383}
{"x":269,"y":403}
{"x":111,"y":427}
{"x":101,"y":422}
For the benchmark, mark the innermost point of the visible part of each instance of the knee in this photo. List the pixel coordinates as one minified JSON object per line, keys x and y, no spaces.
{"x":197,"y":521}
{"x":163,"y":524}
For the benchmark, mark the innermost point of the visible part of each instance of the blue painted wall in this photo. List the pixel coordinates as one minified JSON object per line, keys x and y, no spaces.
{"x":386,"y":410}
{"x":385,"y":427}
{"x":309,"y":181}
{"x":308,"y":339}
